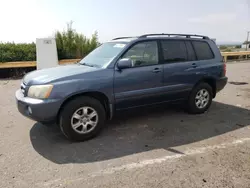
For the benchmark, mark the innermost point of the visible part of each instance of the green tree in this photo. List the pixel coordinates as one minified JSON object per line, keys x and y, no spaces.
{"x":71,"y":44}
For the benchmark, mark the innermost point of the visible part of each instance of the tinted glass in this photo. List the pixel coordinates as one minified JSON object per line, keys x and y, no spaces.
{"x":202,"y":50}
{"x":143,"y":54}
{"x":174,"y":51}
{"x":190,"y":51}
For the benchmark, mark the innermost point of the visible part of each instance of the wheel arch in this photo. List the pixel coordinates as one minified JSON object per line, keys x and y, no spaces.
{"x":209,"y":80}
{"x":101,"y":97}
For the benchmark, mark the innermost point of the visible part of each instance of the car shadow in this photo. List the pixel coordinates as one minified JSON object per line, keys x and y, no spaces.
{"x":139,"y":130}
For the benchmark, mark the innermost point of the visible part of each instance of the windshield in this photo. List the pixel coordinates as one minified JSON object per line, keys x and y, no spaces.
{"x":102,"y":55}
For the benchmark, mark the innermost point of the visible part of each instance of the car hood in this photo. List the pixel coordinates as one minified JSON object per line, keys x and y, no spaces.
{"x":57,"y":73}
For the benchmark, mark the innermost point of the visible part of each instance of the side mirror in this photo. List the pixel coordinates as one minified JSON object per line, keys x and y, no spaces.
{"x":124,"y":63}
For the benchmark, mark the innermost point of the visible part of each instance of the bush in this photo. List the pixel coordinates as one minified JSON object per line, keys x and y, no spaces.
{"x":223,"y":47}
{"x":17,"y":52}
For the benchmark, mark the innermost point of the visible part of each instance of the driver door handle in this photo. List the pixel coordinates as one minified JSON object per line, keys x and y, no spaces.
{"x":156,"y":70}
{"x":194,"y":65}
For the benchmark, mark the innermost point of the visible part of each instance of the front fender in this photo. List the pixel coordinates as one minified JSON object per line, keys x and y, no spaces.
{"x":66,"y":89}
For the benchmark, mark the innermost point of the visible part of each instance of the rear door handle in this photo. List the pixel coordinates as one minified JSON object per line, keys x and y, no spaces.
{"x":194,"y":65}
{"x":156,"y":70}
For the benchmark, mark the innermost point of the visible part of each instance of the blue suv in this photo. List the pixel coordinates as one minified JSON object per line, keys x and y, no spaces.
{"x":126,"y":72}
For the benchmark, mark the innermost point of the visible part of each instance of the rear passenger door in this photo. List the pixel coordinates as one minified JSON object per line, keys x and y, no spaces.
{"x":179,"y":68}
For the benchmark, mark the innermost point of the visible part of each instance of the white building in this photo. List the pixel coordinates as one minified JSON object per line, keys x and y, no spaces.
{"x":243,"y":46}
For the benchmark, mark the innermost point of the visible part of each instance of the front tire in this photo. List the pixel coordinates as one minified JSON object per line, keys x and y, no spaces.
{"x":200,"y":99}
{"x":82,"y":118}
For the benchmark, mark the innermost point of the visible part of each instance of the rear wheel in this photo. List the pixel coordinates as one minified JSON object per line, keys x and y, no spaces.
{"x":82,"y":118}
{"x":200,"y":98}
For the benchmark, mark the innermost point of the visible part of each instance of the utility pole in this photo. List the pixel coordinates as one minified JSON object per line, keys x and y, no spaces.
{"x":247,"y":40}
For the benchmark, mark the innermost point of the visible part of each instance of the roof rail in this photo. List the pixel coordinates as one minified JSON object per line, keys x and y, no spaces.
{"x":122,"y":38}
{"x":173,"y":35}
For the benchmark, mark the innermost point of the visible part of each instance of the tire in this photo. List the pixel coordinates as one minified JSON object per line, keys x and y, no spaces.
{"x":192,"y":106}
{"x":47,"y":124}
{"x":78,"y":106}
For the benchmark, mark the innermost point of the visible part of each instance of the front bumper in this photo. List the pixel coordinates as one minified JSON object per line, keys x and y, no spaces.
{"x":221,"y":83}
{"x":41,"y":110}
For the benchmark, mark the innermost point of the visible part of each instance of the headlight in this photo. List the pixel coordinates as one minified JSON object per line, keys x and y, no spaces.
{"x":40,"y":91}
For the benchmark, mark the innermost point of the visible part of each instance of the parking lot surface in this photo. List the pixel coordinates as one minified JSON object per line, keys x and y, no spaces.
{"x":153,"y":147}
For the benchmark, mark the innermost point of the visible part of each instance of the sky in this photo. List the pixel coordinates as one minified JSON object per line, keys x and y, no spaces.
{"x":26,"y":20}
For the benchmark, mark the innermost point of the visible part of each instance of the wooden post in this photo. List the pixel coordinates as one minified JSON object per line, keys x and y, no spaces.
{"x":225,"y":58}
{"x":247,"y":40}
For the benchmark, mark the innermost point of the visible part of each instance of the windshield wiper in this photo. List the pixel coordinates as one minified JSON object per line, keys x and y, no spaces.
{"x":86,"y":64}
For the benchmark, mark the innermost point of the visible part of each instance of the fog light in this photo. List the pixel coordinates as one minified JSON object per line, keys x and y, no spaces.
{"x":29,"y":109}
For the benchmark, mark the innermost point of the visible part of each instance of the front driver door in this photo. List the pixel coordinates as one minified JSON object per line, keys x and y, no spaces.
{"x":141,"y":84}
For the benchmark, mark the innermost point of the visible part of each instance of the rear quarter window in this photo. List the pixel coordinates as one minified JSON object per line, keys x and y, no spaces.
{"x":203,"y":50}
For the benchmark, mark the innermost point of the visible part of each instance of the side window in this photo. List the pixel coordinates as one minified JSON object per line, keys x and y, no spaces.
{"x":202,"y":50}
{"x":190,"y":51}
{"x":174,"y":51}
{"x":143,"y":54}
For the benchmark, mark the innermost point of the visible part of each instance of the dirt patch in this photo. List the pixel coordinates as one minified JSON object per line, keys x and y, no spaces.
{"x":238,"y":83}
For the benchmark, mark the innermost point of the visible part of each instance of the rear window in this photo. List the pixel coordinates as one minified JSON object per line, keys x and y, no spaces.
{"x":203,"y":51}
{"x":174,"y":51}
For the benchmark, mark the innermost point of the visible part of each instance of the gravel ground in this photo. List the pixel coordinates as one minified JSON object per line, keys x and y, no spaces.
{"x":157,"y":147}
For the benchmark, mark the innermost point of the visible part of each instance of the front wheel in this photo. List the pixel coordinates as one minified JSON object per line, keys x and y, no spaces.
{"x":82,"y":118}
{"x":200,"y":98}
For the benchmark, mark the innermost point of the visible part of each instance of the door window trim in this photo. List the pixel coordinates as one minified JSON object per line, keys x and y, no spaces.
{"x":190,"y":41}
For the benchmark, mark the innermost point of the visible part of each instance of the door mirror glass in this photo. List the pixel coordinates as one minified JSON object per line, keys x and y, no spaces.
{"x":124,"y":63}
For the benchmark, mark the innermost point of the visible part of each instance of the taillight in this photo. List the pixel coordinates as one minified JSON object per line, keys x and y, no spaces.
{"x":224,"y":69}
